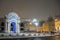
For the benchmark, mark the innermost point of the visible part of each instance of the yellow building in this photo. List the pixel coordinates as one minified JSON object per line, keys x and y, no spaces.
{"x":37,"y":29}
{"x":45,"y":27}
{"x":57,"y":25}
{"x":34,"y":28}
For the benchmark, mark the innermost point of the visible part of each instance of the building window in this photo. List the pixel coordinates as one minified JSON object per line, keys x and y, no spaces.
{"x":22,"y":24}
{"x":21,"y":29}
{"x":2,"y":24}
{"x":2,"y":29}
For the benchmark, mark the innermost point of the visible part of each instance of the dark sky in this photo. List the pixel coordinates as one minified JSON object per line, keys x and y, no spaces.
{"x":39,"y":9}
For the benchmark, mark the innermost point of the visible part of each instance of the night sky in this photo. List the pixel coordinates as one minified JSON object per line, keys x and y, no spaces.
{"x":39,"y":9}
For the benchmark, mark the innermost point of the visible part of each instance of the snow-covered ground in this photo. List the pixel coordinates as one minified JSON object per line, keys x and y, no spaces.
{"x":27,"y":35}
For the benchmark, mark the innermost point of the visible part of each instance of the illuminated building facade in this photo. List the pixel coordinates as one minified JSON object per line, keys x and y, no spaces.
{"x":46,"y":27}
{"x":57,"y":25}
{"x":12,"y":23}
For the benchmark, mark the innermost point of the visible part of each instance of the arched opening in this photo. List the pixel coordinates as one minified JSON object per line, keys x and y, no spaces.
{"x":13,"y":23}
{"x":13,"y":27}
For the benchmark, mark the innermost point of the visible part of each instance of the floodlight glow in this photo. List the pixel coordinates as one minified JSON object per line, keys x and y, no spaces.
{"x":14,"y":26}
{"x":30,"y":23}
{"x":34,"y":20}
{"x":36,"y":24}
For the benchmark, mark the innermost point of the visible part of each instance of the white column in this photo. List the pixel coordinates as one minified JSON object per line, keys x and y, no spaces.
{"x":18,"y":28}
{"x":8,"y":27}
